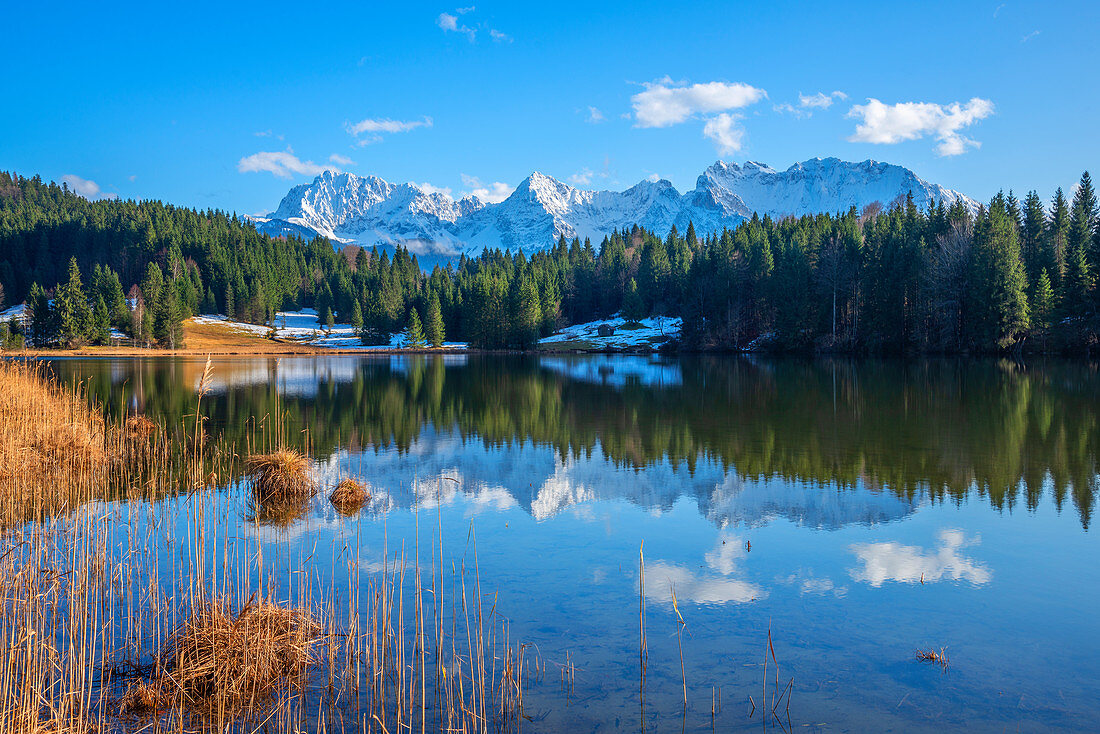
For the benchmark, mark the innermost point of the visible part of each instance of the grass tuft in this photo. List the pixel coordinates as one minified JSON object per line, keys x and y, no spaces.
{"x":280,"y":476}
{"x":349,"y":497}
{"x":244,"y":657}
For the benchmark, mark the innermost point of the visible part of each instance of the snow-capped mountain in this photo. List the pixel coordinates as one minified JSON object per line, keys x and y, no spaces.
{"x":370,"y":211}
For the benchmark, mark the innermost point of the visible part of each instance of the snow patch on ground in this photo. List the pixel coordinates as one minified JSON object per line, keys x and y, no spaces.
{"x":301,"y":326}
{"x":15,"y":312}
{"x":647,"y":332}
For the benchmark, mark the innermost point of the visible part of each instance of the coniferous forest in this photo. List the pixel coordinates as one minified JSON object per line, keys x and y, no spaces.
{"x":1018,"y":275}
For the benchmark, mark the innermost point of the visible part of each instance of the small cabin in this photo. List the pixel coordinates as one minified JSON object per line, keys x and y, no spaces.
{"x":605,"y":330}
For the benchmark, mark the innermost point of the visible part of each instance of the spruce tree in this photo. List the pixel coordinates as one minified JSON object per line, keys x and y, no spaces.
{"x":357,"y":317}
{"x":101,"y":323}
{"x":1032,"y":241}
{"x":1081,"y":260}
{"x":434,"y":331}
{"x":327,"y":319}
{"x":1042,"y":305}
{"x":1057,"y":235}
{"x":633,"y":308}
{"x":527,"y":315}
{"x":414,"y":332}
{"x":168,"y":319}
{"x":999,"y":306}
{"x":40,"y":316}
{"x":74,"y":317}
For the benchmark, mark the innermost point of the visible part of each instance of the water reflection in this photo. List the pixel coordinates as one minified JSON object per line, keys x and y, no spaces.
{"x":852,"y":481}
{"x":909,"y":564}
{"x":822,"y":443}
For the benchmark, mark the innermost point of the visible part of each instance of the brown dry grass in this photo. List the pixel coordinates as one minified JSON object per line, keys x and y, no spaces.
{"x":349,"y":497}
{"x":220,"y":338}
{"x":934,"y":656}
{"x":51,"y":446}
{"x":241,"y":658}
{"x":141,"y":698}
{"x":280,"y":476}
{"x":83,"y":613}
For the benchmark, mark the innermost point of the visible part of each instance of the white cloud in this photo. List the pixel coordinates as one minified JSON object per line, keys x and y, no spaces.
{"x":341,"y":160}
{"x":499,"y":36}
{"x":653,"y":177}
{"x":725,"y":132}
{"x":583,"y":178}
{"x":375,"y":127}
{"x":887,"y":124}
{"x":820,"y":100}
{"x":909,"y":564}
{"x":85,"y":187}
{"x":1029,"y":36}
{"x":283,"y":164}
{"x":493,"y":193}
{"x":449,"y":24}
{"x":384,"y":125}
{"x":594,"y":115}
{"x":664,"y":102}
{"x":428,"y":188}
{"x":807,"y":103}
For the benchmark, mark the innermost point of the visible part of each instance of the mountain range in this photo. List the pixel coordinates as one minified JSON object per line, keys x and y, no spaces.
{"x":372,"y":212}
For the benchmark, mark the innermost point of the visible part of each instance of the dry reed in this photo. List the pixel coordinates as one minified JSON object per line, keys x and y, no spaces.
{"x":932,"y":655}
{"x":349,"y":497}
{"x":241,"y":657}
{"x":164,"y":612}
{"x":282,"y":475}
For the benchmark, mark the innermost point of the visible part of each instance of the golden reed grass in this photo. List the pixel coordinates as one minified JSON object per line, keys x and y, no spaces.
{"x":134,"y":599}
{"x":349,"y":497}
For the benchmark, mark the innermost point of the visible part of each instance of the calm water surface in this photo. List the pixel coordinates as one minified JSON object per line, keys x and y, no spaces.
{"x":861,"y":510}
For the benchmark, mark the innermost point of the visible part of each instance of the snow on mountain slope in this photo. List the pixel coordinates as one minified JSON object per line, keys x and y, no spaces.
{"x":368,"y":210}
{"x":817,"y":185}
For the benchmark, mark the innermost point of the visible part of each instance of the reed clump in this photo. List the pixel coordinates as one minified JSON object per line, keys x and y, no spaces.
{"x":280,"y":476}
{"x":243,"y":657}
{"x":140,"y":427}
{"x":51,"y":446}
{"x":349,"y":497}
{"x":931,"y":655}
{"x":141,"y":698}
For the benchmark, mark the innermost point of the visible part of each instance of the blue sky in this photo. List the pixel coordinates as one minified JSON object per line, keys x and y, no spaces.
{"x":223,"y":105}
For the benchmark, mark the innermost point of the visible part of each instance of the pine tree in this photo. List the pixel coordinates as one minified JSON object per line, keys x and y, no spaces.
{"x":633,"y":308}
{"x":101,"y":323}
{"x":1082,"y":263}
{"x":434,"y":331}
{"x":356,"y":316}
{"x":1035,"y":254}
{"x":999,"y":307}
{"x":168,"y":319}
{"x":71,"y":305}
{"x":527,"y":315}
{"x":1043,"y":303}
{"x":41,"y":316}
{"x":1057,"y":235}
{"x":374,"y":321}
{"x":414,"y":332}
{"x":327,"y":319}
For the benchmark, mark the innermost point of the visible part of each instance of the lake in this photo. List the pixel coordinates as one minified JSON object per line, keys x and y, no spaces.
{"x":856,"y":511}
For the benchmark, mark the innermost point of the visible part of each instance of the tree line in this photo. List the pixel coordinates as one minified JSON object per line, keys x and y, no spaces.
{"x":1013,"y":275}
